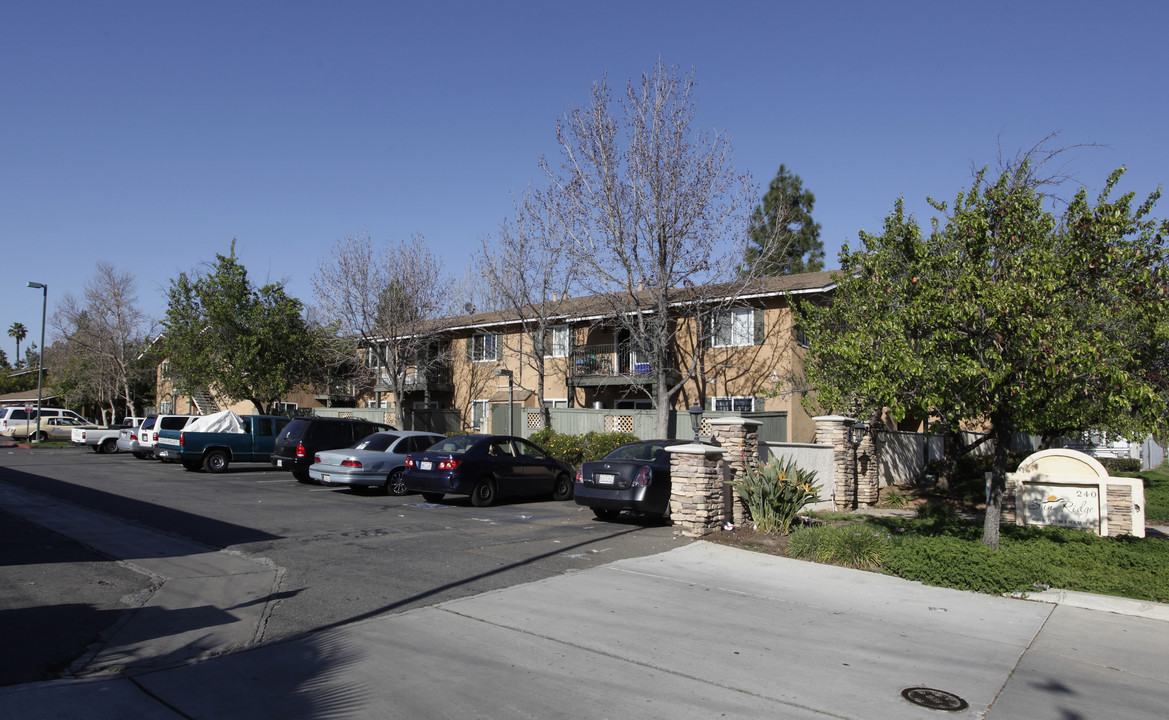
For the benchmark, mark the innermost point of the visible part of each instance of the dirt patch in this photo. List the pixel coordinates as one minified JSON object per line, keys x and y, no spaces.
{"x":749,"y":539}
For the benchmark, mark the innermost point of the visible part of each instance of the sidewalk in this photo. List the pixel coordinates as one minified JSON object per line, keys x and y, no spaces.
{"x":699,"y":631}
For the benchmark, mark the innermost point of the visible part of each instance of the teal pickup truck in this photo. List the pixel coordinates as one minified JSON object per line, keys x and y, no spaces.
{"x":216,"y":441}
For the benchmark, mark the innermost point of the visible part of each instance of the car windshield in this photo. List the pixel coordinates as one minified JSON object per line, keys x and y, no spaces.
{"x":458,"y":444}
{"x":378,"y":442}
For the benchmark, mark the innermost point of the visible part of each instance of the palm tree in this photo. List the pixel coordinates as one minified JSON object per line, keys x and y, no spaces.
{"x":20,"y":332}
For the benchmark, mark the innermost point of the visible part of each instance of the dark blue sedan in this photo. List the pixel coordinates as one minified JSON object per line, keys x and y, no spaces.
{"x":486,"y":467}
{"x":633,"y":477}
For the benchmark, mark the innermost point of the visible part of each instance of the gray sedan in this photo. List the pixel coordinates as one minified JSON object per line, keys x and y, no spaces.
{"x":374,"y":461}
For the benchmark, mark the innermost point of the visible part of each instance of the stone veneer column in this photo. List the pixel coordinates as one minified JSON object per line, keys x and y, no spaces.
{"x":865,"y":466}
{"x":696,"y":489}
{"x":832,"y":430}
{"x":739,"y":438}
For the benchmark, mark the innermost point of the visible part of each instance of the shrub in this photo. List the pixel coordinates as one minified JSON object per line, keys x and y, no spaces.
{"x":857,"y":545}
{"x":775,"y":493}
{"x":1121,"y":465}
{"x":575,"y":449}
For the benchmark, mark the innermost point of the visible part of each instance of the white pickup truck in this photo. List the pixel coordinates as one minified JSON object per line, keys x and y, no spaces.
{"x":103,"y":440}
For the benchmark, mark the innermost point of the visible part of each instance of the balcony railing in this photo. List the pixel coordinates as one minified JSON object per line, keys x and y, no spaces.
{"x":606,"y":361}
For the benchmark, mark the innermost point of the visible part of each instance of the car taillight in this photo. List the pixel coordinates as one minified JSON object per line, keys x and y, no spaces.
{"x":316,"y":458}
{"x":155,"y":438}
{"x":644,"y":477}
{"x":449,"y":464}
{"x":300,"y":450}
{"x":579,"y":476}
{"x":351,"y":463}
{"x":82,"y":434}
{"x":182,"y":438}
{"x":409,"y":461}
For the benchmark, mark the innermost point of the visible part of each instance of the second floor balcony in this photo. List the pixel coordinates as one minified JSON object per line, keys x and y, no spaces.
{"x":607,"y":365}
{"x":433,"y":378}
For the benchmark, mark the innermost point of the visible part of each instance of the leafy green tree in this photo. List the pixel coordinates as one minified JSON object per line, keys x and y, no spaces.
{"x":784,"y":238}
{"x":242,"y":342}
{"x":1002,"y":315}
{"x":19,"y":332}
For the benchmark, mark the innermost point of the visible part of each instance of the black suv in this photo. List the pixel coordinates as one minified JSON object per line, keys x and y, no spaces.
{"x":304,"y":437}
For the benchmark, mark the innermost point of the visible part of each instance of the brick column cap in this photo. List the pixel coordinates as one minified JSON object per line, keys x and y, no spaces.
{"x":734,"y":421}
{"x":696,"y":449}
{"x":833,"y":418}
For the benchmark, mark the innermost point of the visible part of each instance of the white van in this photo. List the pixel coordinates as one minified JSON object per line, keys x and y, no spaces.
{"x":15,"y":420}
{"x":148,"y":431}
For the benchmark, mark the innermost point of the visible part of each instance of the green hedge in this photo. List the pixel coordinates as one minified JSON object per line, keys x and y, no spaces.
{"x":576,"y":449}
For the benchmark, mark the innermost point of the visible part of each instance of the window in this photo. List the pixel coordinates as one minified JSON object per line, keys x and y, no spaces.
{"x":801,"y":337}
{"x":166,"y":407}
{"x":478,"y":413}
{"x":734,"y":404}
{"x":555,"y":403}
{"x":284,"y":408}
{"x":556,"y":342}
{"x":734,"y":328}
{"x":483,"y":347}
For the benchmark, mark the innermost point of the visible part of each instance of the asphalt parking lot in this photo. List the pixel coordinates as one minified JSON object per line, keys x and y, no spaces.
{"x":342,"y":555}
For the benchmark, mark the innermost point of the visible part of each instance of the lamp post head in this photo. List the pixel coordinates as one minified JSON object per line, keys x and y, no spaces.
{"x":502,"y":371}
{"x":695,"y":419}
{"x":39,"y":286}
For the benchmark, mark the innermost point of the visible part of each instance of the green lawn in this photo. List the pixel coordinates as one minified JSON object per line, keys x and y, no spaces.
{"x":939,"y":548}
{"x":1156,"y":494}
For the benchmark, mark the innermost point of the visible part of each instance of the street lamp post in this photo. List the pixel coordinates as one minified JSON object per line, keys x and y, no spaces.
{"x":40,"y":355}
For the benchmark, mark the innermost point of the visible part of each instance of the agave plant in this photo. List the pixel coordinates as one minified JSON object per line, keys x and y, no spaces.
{"x":776,"y":492}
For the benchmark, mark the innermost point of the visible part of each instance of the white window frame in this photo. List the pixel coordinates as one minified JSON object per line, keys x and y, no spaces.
{"x":734,"y":328}
{"x":555,"y":402}
{"x":731,"y":401}
{"x":480,"y":347}
{"x":480,"y":413}
{"x":285,"y":406}
{"x":559,"y":341}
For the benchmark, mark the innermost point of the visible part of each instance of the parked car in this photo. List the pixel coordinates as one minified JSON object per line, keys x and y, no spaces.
{"x":148,"y":432}
{"x":487,"y":467}
{"x":377,"y":460}
{"x":103,"y":440}
{"x":634,"y":477}
{"x":15,"y":420}
{"x":59,"y":429}
{"x":128,"y":438}
{"x":304,"y":437}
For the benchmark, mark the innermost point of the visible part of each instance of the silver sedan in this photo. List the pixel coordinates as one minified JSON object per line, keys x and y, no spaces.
{"x":374,"y":461}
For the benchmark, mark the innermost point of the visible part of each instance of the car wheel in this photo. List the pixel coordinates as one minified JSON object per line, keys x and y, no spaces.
{"x":140,"y":455}
{"x":484,"y":493}
{"x":302,"y":476}
{"x":563,"y":488}
{"x":109,"y":446}
{"x":395,"y":483}
{"x":192,"y":465}
{"x":215,"y":461}
{"x":42,"y":436}
{"x":96,"y":448}
{"x":606,"y":515}
{"x":432,"y":497}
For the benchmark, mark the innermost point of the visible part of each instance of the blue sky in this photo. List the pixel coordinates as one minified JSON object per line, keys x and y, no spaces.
{"x":149,"y":134}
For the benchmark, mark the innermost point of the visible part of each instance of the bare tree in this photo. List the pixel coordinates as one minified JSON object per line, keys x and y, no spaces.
{"x":653,"y":213}
{"x":527,"y":269}
{"x":388,"y":297}
{"x":105,"y":333}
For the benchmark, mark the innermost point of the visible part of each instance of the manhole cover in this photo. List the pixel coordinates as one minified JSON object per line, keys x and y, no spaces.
{"x":934,"y":699}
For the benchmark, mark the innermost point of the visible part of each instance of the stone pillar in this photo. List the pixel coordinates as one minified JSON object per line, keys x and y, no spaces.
{"x":696,"y":489}
{"x":865,"y":467}
{"x":739,"y":438}
{"x":832,"y":430}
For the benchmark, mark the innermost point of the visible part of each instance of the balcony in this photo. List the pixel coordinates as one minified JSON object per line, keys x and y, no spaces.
{"x":592,"y":365}
{"x":436,"y":379}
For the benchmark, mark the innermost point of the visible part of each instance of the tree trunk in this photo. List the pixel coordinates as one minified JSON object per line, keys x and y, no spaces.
{"x":998,"y":483}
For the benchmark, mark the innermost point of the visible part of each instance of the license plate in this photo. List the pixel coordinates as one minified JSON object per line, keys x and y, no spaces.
{"x":279,"y":463}
{"x":605,"y":479}
{"x":324,"y":478}
{"x":425,"y":465}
